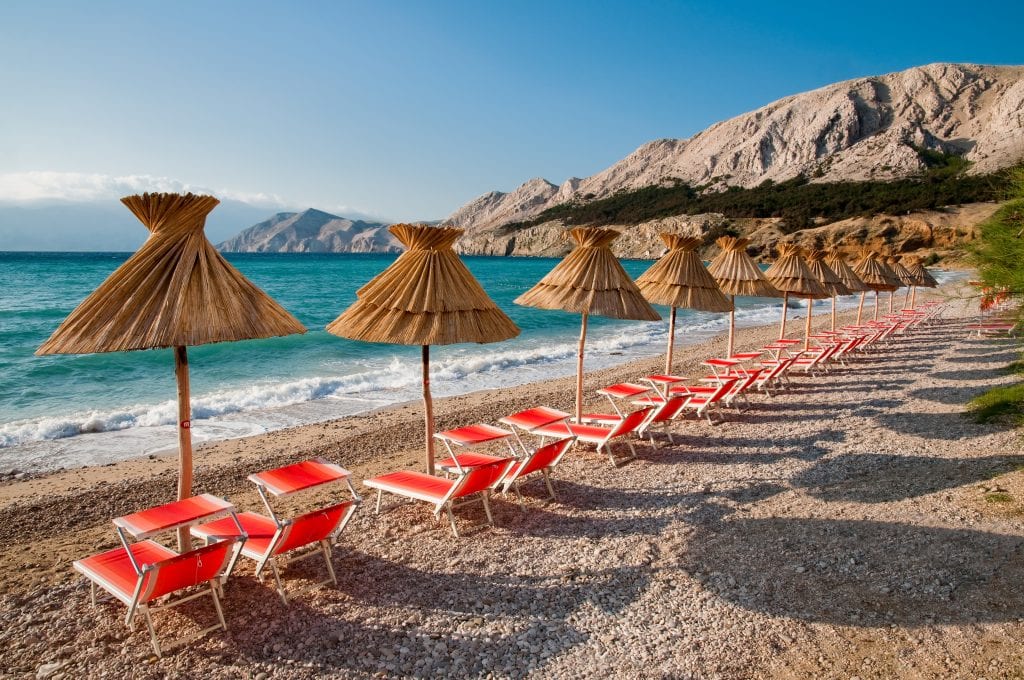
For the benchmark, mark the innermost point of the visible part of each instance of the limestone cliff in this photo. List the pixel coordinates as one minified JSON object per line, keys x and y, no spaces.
{"x":867,"y":128}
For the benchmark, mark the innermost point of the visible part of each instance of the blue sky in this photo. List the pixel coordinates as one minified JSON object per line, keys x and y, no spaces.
{"x":406,"y":110}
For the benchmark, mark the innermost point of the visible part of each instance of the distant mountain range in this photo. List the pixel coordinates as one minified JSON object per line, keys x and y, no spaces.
{"x":312,"y":231}
{"x":59,"y":225}
{"x":868,"y":128}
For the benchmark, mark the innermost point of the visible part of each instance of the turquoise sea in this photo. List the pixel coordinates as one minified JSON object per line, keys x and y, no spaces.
{"x":64,"y":411}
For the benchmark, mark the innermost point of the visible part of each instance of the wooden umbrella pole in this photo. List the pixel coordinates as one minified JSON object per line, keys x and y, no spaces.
{"x":876,"y":305}
{"x":913,"y":298}
{"x":785,"y":308}
{"x":184,"y":437}
{"x":732,"y":322}
{"x":671,"y":341}
{"x":860,"y":307}
{"x":833,"y":312}
{"x":892,"y":294}
{"x":428,"y":410}
{"x":807,"y":331}
{"x":579,"y":369}
{"x":906,"y":301}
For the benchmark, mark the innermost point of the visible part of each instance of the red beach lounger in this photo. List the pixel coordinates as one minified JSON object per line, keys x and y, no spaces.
{"x":543,"y":460}
{"x":442,"y":493}
{"x":596,"y":434}
{"x":150,"y":571}
{"x":701,"y":404}
{"x":272,"y":536}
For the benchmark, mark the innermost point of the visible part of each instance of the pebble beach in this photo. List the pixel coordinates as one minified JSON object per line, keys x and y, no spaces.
{"x":844,"y":527}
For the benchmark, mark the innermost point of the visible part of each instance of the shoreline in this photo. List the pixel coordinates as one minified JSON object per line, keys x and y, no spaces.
{"x":48,"y":455}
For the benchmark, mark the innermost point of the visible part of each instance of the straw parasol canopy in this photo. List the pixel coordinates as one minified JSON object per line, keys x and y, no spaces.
{"x":834,"y":260}
{"x":589,"y":281}
{"x":921,"y":277}
{"x":876,"y":276}
{"x":737,"y":274}
{"x":792,"y":276}
{"x":176,"y":291}
{"x":830,"y":279}
{"x":680,"y":279}
{"x":425,"y":297}
{"x":902,"y":273}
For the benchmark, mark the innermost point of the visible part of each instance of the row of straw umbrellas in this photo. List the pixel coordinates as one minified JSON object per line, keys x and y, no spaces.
{"x":177,"y":291}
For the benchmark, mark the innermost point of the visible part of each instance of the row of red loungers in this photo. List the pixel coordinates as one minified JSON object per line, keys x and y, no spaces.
{"x":142,"y":571}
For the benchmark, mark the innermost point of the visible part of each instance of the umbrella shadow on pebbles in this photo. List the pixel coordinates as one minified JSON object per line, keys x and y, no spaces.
{"x":731,"y":450}
{"x":972,"y":375}
{"x":861,"y":573}
{"x":943,"y":425}
{"x":1001,"y":357}
{"x":951,"y":396}
{"x":884,"y":478}
{"x":464,"y":621}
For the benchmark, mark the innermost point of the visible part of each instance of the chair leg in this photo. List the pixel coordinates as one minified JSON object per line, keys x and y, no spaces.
{"x":487,"y":507}
{"x":327,"y":558}
{"x":277,"y":580}
{"x":92,"y":592}
{"x":152,"y":631}
{"x":216,"y":605}
{"x":547,"y":481}
{"x":380,"y":492}
{"x":451,"y":519}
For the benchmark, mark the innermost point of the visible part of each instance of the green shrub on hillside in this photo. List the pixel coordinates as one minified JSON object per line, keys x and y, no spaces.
{"x":797,"y":201}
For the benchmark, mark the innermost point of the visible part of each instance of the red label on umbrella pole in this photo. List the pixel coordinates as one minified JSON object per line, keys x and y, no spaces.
{"x":186,"y":424}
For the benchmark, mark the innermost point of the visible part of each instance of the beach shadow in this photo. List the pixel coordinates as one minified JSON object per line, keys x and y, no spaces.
{"x":411,"y":604}
{"x":952,"y":396}
{"x":883,"y":478}
{"x":985,"y":358}
{"x":860,"y":573}
{"x":713,"y":451}
{"x":975,"y":374}
{"x":947,"y":426}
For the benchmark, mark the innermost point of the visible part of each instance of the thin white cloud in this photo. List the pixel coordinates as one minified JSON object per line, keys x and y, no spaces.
{"x":44,"y":185}
{"x":27,"y":187}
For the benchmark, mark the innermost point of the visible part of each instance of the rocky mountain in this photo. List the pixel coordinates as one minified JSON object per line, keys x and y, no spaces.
{"x":867,"y":128}
{"x":921,"y":233}
{"x":312,"y":231}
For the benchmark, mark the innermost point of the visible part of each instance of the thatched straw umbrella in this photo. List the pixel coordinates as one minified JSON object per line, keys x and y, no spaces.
{"x":902,"y":273}
{"x":922,"y":277}
{"x":737,"y":274}
{"x":790,"y":274}
{"x":589,"y":281}
{"x":876,"y":276}
{"x":425,"y":297}
{"x":835,"y":261}
{"x":831,"y":280}
{"x":176,"y":291}
{"x":680,"y":279}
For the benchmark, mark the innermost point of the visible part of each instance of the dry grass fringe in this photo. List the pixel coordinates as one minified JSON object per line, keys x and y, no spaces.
{"x":590,"y":280}
{"x":425,"y":297}
{"x":177,"y":290}
{"x":680,"y":279}
{"x":736,"y":273}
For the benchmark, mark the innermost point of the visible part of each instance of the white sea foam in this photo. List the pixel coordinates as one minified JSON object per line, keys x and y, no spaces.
{"x":393,"y":380}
